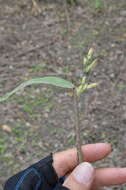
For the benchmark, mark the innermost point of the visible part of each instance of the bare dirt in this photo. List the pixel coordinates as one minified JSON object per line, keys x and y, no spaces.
{"x":40,"y":119}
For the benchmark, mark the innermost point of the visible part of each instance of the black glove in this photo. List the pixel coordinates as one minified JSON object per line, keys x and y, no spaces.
{"x":39,"y":176}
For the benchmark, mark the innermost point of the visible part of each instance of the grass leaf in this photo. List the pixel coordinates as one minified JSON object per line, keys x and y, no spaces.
{"x":55,"y":81}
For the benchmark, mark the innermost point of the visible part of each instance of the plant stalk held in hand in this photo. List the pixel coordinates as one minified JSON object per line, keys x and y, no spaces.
{"x":88,"y":65}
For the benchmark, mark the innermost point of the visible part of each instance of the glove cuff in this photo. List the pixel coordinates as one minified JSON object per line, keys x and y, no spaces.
{"x":44,"y":167}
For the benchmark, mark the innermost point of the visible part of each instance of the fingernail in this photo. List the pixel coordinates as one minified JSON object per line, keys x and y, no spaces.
{"x":84,"y":173}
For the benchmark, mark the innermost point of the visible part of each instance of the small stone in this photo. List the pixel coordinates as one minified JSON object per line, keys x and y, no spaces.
{"x":95,"y":126}
{"x":56,"y":145}
{"x":123,"y":13}
{"x":105,"y":123}
{"x":46,"y":115}
{"x":112,"y":75}
{"x":95,"y":74}
{"x":28,"y":124}
{"x":11,"y":67}
{"x":80,"y":10}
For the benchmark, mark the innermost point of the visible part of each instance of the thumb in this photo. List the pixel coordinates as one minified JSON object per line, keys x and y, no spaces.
{"x":81,"y":177}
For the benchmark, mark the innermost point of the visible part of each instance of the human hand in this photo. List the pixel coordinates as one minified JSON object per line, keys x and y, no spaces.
{"x":87,"y":177}
{"x":44,"y":174}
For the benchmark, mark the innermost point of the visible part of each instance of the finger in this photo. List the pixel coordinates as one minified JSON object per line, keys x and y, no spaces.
{"x":81,"y":177}
{"x":66,"y":161}
{"x":109,"y":176}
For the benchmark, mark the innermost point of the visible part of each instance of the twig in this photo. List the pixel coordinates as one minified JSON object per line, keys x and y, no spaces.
{"x":67,"y":15}
{"x":32,"y":49}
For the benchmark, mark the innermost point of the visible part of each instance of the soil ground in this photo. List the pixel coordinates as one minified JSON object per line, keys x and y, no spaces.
{"x":40,"y":120}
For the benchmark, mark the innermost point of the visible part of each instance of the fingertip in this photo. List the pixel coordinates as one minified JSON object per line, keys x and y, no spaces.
{"x":96,"y":151}
{"x":108,"y":147}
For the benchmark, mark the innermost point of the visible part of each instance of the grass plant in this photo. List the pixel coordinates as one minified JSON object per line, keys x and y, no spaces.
{"x":88,"y":65}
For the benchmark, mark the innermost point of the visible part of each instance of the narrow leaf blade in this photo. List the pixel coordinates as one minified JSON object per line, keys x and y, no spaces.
{"x":55,"y":81}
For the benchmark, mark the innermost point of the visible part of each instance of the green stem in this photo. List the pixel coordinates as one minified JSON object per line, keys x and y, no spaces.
{"x":77,"y":128}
